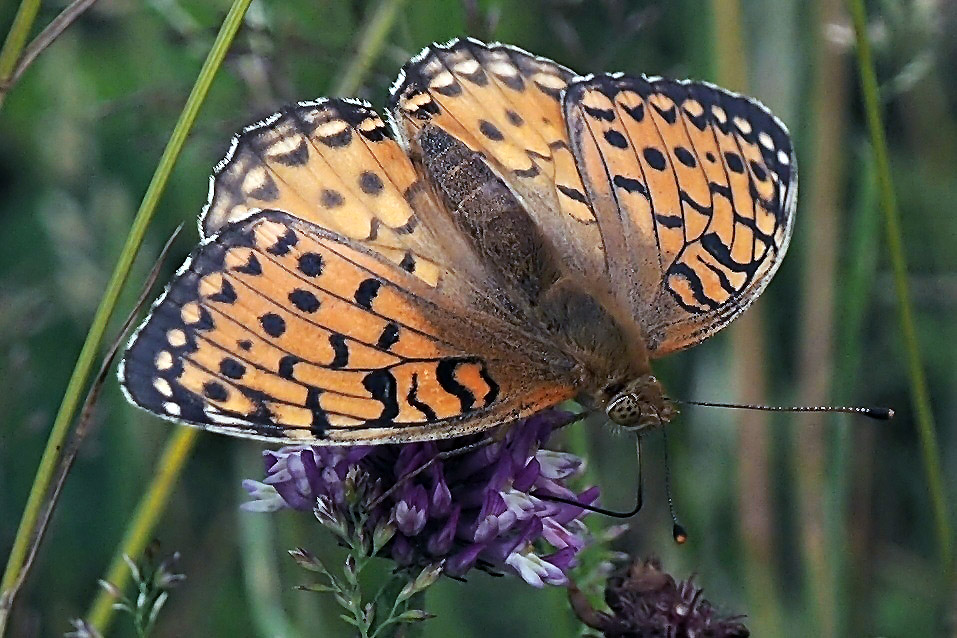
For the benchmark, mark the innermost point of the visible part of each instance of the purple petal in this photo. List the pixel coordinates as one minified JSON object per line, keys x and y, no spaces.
{"x":526,"y":478}
{"x":411,"y":512}
{"x":441,"y":498}
{"x":440,"y":543}
{"x":464,"y":560}
{"x":558,"y":465}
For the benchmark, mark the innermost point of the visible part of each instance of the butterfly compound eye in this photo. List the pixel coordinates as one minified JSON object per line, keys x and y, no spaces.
{"x":625,"y":410}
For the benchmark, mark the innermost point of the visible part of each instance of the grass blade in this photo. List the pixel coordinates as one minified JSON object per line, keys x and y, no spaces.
{"x":920,"y":396}
{"x":94,"y":338}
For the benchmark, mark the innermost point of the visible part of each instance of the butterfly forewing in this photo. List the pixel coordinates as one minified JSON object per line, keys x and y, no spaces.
{"x":693,"y":185}
{"x":280,"y":330}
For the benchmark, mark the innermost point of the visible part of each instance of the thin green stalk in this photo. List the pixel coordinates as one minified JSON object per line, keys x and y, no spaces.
{"x":94,"y":338}
{"x":371,"y":39}
{"x":16,"y":40}
{"x":139,"y":533}
{"x":920,"y":397}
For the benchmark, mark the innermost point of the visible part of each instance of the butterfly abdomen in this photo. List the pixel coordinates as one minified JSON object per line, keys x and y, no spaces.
{"x":488,"y":213}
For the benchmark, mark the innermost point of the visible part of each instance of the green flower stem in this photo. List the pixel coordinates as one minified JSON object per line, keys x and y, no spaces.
{"x":920,"y":396}
{"x":13,"y":46}
{"x":371,"y":40}
{"x":138,"y":534}
{"x":91,"y":347}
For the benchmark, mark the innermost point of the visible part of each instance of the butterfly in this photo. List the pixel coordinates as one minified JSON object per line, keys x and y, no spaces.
{"x":511,"y":236}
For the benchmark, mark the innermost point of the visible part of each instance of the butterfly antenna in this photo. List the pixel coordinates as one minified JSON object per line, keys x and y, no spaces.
{"x":601,"y":510}
{"x":878,"y":413}
{"x":677,"y":530}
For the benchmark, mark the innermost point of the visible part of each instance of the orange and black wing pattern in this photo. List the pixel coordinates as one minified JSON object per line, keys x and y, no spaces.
{"x":694,"y":189}
{"x":335,"y":164}
{"x":505,"y":103}
{"x":280,"y":330}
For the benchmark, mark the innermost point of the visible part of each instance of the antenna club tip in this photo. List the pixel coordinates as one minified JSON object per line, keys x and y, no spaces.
{"x":679,"y":534}
{"x":882,"y":414}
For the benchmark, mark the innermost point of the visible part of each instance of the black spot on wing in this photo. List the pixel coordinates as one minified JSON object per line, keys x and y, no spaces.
{"x":310,"y":264}
{"x":370,"y":183}
{"x":340,"y":350}
{"x":287,"y":365}
{"x":273,"y":324}
{"x":215,"y":391}
{"x":320,"y":422}
{"x":445,"y":375}
{"x":669,"y":221}
{"x":389,"y":337}
{"x":514,"y":118}
{"x":226,"y":294}
{"x":284,"y":243}
{"x":304,"y":300}
{"x":330,"y":198}
{"x":616,"y":139}
{"x":685,"y":157}
{"x":366,"y":292}
{"x":231,"y":368}
{"x":734,"y":162}
{"x":381,"y":385}
{"x":572,"y":193}
{"x":490,"y":131}
{"x":605,"y":115}
{"x":630,"y":185}
{"x":655,"y":158}
{"x":251,"y":267}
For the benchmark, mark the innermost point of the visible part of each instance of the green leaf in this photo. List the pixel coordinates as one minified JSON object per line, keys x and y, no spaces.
{"x":307,"y":560}
{"x":317,"y":587}
{"x":414,"y":615}
{"x":425,"y":578}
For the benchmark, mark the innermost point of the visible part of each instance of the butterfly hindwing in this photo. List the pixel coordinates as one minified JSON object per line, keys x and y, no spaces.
{"x":695,"y":189}
{"x":280,"y":330}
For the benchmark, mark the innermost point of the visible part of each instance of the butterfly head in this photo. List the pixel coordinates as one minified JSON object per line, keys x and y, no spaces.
{"x":640,"y":405}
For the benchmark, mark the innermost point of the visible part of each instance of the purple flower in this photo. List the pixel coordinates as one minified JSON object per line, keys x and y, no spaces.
{"x":487,"y":508}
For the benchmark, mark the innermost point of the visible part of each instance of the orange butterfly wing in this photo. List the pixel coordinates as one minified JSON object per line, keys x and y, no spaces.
{"x":695,"y":191}
{"x":279,"y":330}
{"x":506,"y":104}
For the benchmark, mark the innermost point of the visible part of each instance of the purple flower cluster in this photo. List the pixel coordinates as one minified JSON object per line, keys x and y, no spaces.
{"x":487,"y":508}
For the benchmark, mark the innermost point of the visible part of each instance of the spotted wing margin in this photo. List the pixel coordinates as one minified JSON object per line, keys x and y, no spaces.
{"x":695,"y":191}
{"x":505,"y":103}
{"x":278,"y":330}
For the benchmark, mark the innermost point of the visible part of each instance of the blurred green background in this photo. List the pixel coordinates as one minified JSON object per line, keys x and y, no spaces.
{"x":810,"y":526}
